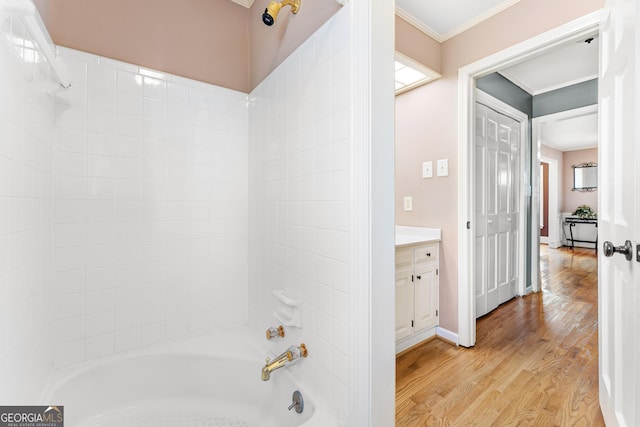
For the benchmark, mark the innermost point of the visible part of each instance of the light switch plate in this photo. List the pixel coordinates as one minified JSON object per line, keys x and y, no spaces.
{"x":443,"y":167}
{"x":408,"y":203}
{"x":427,"y":169}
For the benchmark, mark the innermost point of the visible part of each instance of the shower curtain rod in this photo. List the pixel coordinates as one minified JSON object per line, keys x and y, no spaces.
{"x":33,"y":22}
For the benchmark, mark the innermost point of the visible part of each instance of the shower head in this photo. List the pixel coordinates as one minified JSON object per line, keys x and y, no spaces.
{"x":271,"y":12}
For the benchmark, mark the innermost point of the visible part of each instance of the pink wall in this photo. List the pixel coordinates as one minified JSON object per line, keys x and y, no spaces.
{"x":205,"y":40}
{"x":272,"y":45}
{"x":214,"y":41}
{"x":427,"y":122}
{"x":573,"y":199}
{"x":417,"y":45}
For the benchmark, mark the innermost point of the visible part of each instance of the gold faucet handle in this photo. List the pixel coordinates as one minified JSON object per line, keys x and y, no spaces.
{"x":303,"y":350}
{"x":272,"y":333}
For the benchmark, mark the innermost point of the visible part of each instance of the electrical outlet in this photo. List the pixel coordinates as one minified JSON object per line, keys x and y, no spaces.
{"x":443,"y":167}
{"x":408,"y":203}
{"x":427,"y":169}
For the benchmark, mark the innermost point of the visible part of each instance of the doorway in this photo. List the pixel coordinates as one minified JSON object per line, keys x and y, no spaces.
{"x":569,"y":33}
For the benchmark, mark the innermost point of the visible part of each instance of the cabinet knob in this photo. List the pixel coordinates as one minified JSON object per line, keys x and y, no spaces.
{"x":429,"y":254}
{"x":418,"y":277}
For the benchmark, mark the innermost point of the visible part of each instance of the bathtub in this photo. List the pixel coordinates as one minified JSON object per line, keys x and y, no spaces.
{"x":184,"y":383}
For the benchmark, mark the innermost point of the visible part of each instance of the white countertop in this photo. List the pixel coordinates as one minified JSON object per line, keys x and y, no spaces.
{"x":412,"y":235}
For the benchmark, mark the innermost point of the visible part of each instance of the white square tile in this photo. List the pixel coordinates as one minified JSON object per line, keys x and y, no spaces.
{"x":100,"y":233}
{"x":101,"y":121}
{"x":101,"y":77}
{"x":100,"y":278}
{"x":128,"y":339}
{"x":100,"y":301}
{"x":100,"y":323}
{"x":68,"y":211}
{"x":102,"y":99}
{"x":129,"y":82}
{"x":100,"y":143}
{"x":100,"y":346}
{"x":101,"y":210}
{"x":68,"y":353}
{"x":130,"y":104}
{"x":100,"y":166}
{"x":71,"y":234}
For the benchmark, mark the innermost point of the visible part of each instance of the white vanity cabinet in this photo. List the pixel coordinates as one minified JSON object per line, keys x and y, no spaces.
{"x":417,"y":292}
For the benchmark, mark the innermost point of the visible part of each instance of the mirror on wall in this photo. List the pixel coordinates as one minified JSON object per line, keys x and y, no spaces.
{"x":585,"y":177}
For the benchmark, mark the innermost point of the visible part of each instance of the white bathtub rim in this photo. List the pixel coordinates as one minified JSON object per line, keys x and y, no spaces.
{"x":242,"y":347}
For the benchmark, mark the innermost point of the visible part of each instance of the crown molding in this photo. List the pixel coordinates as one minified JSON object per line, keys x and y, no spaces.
{"x":245,"y":3}
{"x":419,"y":25}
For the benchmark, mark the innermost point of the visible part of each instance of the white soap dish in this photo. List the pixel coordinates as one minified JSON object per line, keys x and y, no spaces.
{"x":289,"y":310}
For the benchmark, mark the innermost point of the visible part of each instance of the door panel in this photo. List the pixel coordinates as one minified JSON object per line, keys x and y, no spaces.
{"x":497,"y":184}
{"x":619,"y":184}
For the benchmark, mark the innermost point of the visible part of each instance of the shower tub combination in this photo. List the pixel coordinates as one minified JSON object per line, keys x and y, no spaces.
{"x":184,"y":384}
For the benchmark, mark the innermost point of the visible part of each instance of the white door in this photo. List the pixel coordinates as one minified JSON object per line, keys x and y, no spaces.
{"x":619,"y":184}
{"x":497,"y":161}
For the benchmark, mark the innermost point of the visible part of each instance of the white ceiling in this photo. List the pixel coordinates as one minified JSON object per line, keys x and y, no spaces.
{"x":571,"y":132}
{"x":573,"y":63}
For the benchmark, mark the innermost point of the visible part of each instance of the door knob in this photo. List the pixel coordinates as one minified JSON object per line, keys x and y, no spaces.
{"x":626,"y":250}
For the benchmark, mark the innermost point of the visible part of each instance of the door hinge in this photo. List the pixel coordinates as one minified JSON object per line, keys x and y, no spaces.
{"x":412,"y":278}
{"x":638,"y":253}
{"x":468,"y":225}
{"x":437,"y":272}
{"x":412,"y":323}
{"x":436,"y":313}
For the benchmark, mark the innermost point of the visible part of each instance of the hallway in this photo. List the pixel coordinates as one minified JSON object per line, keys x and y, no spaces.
{"x":535,"y":361}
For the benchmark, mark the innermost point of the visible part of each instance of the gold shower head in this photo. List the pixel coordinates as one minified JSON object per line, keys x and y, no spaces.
{"x":271,"y":12}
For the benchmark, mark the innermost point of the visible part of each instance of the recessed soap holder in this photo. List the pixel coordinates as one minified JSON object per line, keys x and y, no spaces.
{"x":289,"y":310}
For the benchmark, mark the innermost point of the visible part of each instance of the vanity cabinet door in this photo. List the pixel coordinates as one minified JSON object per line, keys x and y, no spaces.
{"x":426,"y":297}
{"x":404,"y":302}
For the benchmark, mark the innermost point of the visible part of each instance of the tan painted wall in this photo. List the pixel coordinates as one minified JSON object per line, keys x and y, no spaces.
{"x":206,"y":40}
{"x":417,"y":45}
{"x":573,"y":199}
{"x":427,"y":122}
{"x":272,"y":45}
{"x":214,"y":41}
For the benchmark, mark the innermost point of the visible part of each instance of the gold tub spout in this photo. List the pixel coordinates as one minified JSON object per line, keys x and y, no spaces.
{"x":290,"y":356}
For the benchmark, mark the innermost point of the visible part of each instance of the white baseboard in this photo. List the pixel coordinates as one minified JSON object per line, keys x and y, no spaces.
{"x":408,"y":342}
{"x":448,"y":335}
{"x":555,"y":245}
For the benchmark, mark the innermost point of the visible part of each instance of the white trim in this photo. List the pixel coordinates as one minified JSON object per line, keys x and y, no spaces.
{"x":554,"y":238}
{"x":372,"y":270}
{"x":523,"y":120}
{"x":532,"y":92}
{"x":415,"y":339}
{"x":466,"y":83}
{"x":448,"y":335}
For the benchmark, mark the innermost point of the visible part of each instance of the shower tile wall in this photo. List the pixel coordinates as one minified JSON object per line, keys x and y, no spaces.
{"x":150,"y":208}
{"x":26,"y":123}
{"x":300,"y":203}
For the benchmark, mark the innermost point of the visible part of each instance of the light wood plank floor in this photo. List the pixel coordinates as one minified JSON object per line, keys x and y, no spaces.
{"x":535,"y":362}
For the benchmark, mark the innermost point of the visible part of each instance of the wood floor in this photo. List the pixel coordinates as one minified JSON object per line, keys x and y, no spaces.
{"x":535,"y":362}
